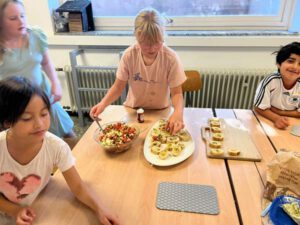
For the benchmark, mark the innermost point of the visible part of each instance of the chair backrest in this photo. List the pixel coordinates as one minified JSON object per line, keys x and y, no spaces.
{"x":193,"y":81}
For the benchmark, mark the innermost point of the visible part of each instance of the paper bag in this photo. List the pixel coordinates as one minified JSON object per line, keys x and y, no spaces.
{"x":283,"y":178}
{"x":283,"y":175}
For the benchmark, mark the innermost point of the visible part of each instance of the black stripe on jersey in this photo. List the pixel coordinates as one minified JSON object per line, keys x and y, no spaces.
{"x":265,"y":82}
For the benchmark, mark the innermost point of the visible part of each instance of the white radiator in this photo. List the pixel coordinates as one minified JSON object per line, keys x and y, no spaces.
{"x":228,"y":88}
{"x":67,"y":101}
{"x":91,"y":84}
{"x":221,"y":88}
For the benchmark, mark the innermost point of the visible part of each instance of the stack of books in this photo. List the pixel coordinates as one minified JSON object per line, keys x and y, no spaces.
{"x":75,"y":22}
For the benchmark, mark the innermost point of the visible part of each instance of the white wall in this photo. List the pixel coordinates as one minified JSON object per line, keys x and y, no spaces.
{"x":192,"y":57}
{"x":195,"y":52}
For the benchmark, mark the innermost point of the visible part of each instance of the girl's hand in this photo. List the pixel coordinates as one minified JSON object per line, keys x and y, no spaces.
{"x":282,"y":122}
{"x":25,"y":216}
{"x":96,"y":110}
{"x":106,"y":218}
{"x":56,"y":92}
{"x":175,"y":123}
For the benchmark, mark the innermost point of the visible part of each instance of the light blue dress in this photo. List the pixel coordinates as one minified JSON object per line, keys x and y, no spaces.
{"x":27,"y":62}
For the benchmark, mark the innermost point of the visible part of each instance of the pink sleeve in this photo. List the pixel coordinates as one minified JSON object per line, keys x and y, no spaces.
{"x":176,"y":75}
{"x":122,"y":71}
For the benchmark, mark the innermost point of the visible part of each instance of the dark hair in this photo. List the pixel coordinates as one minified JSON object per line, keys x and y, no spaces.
{"x":285,"y":52}
{"x":15,"y":94}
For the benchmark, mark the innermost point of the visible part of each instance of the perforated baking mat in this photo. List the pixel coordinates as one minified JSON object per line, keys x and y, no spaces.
{"x":187,"y":198}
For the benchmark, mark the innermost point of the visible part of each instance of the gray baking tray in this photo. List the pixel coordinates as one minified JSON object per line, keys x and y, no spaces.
{"x":187,"y":198}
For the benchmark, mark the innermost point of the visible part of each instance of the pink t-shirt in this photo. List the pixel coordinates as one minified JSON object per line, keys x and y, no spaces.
{"x":149,"y":86}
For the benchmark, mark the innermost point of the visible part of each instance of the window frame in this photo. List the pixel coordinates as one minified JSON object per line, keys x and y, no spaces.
{"x":279,"y":22}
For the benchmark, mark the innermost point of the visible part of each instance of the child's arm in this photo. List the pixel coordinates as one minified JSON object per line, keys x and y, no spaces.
{"x":22,"y":215}
{"x":279,"y":121}
{"x":112,"y":95}
{"x":86,"y":196}
{"x":290,"y":113}
{"x":175,"y":122}
{"x":49,"y":69}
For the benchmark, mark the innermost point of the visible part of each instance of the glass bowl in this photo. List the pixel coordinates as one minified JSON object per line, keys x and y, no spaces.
{"x":116,"y":136}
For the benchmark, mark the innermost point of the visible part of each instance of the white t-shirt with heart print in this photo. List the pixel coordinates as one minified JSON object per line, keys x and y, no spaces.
{"x":21,"y":184}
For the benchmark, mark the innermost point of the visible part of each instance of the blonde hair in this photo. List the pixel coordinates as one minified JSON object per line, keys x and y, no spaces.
{"x":149,"y":26}
{"x":3,"y":5}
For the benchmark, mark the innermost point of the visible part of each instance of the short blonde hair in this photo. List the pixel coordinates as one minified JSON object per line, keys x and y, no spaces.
{"x":149,"y":26}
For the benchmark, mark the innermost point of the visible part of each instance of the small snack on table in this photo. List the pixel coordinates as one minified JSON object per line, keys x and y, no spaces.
{"x":156,"y":143}
{"x":216,"y":151}
{"x":173,"y":139}
{"x":215,"y":124}
{"x":184,"y":136}
{"x":176,"y":151}
{"x":216,"y":130}
{"x":175,"y":148}
{"x":166,"y":145}
{"x":162,"y":124}
{"x":216,"y":119}
{"x":218,"y":137}
{"x":163,"y":154}
{"x":155,"y":149}
{"x":234,"y":152}
{"x":215,"y":144}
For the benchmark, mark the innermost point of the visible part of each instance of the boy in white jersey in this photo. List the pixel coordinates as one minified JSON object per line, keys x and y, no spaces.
{"x":278,"y":95}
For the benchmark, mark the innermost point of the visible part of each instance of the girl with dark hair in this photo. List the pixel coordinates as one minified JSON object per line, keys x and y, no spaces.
{"x":29,"y":153}
{"x":278,"y":95}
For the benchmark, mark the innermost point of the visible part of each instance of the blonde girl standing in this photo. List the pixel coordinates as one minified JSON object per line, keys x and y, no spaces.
{"x":153,"y":72}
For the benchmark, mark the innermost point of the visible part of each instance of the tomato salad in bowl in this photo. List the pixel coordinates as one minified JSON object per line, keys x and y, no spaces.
{"x":116,"y":136}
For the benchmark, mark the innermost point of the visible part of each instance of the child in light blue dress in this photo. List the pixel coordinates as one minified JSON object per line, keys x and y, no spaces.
{"x":24,"y":51}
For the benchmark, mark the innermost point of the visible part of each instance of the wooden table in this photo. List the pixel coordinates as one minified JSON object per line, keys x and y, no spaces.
{"x":278,"y":137}
{"x":128,"y":184}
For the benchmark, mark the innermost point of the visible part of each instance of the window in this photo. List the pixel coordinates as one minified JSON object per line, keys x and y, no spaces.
{"x":198,"y":14}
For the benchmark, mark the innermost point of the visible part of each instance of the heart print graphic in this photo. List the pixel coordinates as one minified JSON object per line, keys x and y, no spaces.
{"x":15,"y":189}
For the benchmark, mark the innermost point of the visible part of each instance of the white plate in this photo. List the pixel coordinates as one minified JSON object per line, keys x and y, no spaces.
{"x":155,"y":160}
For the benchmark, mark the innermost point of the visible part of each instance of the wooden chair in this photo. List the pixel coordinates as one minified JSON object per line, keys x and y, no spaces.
{"x":192,"y":83}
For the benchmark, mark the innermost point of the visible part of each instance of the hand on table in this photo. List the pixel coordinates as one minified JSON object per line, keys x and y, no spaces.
{"x":107,"y":218}
{"x":25,"y":216}
{"x":282,"y":122}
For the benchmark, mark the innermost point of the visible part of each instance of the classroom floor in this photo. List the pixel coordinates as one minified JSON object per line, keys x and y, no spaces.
{"x":79,"y":131}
